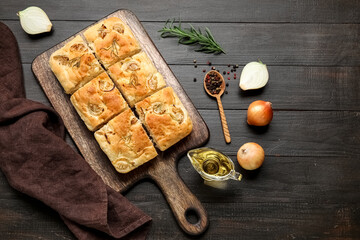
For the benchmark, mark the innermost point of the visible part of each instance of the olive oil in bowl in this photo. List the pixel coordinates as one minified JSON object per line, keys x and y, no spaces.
{"x":213,"y":165}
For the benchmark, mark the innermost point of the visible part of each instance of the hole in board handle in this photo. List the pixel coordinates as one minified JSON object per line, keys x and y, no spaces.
{"x":192,"y":216}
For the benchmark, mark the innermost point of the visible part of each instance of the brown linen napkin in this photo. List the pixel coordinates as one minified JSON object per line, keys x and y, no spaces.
{"x":37,"y":161}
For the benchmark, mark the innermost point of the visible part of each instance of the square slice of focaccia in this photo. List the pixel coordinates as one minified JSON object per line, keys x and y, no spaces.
{"x":98,"y":101}
{"x":165,"y":118}
{"x":111,"y":40}
{"x":136,"y":77}
{"x":125,"y":142}
{"x":74,"y":65}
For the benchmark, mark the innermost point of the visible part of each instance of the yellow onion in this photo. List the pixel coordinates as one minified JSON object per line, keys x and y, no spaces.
{"x":250,"y":156}
{"x":259,"y":113}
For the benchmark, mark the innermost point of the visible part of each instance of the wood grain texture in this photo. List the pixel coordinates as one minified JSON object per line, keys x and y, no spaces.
{"x":163,"y":167}
{"x":281,"y":11}
{"x":291,"y":133}
{"x":309,"y":197}
{"x":289,"y":88}
{"x":274,"y":44}
{"x":308,"y":187}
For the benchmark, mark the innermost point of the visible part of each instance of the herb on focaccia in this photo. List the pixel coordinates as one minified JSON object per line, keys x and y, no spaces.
{"x":119,"y":28}
{"x":107,"y":138}
{"x":177,"y":115}
{"x":152,"y":82}
{"x":114,"y":47}
{"x":127,"y":139}
{"x":95,"y":109}
{"x":133,"y":66}
{"x":134,"y":81}
{"x":78,"y":47}
{"x":102,"y":31}
{"x":106,"y":86}
{"x":189,"y":36}
{"x":158,"y":108}
{"x":123,"y":163}
{"x":75,"y":62}
{"x":63,"y":60}
{"x":141,"y":112}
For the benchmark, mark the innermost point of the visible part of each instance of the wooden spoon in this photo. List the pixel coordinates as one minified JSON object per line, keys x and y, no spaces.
{"x":221,"y":109}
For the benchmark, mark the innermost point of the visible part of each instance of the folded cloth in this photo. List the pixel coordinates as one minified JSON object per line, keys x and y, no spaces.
{"x":38,"y":162}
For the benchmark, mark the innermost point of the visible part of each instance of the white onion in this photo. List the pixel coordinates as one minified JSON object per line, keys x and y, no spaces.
{"x":254,"y":76}
{"x":34,"y":20}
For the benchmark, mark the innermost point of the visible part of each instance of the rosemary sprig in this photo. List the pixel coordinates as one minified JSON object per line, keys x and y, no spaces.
{"x":190,"y":36}
{"x":114,"y":48}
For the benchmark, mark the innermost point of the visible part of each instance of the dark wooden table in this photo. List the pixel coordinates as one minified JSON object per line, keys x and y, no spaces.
{"x":309,"y":185}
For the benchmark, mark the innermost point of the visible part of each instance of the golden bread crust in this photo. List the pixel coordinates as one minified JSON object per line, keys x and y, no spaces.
{"x":136,"y":77}
{"x":98,"y":101}
{"x":111,"y":40}
{"x":165,"y":118}
{"x":125,"y":142}
{"x":74,"y":65}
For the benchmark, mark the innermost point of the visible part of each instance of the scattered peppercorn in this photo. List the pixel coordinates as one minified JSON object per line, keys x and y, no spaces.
{"x":228,"y":65}
{"x":204,"y":70}
{"x":227,"y":84}
{"x":194,"y":60}
{"x":232,"y":70}
{"x":226,"y":92}
{"x":218,"y":70}
{"x":194,"y":79}
{"x":213,"y":68}
{"x":209,"y":63}
{"x":224,"y":72}
{"x":195,"y":66}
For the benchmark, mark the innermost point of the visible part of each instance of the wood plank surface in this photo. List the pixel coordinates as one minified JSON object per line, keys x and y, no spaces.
{"x":291,"y":133}
{"x":339,"y":11}
{"x":309,"y":88}
{"x":274,"y":44}
{"x":308,"y":187}
{"x":333,"y":132}
{"x":314,"y":199}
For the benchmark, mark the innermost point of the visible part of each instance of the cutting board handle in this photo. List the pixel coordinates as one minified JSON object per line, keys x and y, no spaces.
{"x":181,"y":200}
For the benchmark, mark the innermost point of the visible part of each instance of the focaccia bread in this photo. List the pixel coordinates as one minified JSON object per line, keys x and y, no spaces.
{"x":111,"y":40}
{"x":136,"y":77}
{"x":98,"y":101}
{"x":125,"y":142}
{"x":74,"y":65}
{"x":165,"y":118}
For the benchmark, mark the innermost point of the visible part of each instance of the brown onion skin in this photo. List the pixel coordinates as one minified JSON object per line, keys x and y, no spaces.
{"x":259,"y":113}
{"x":250,"y":156}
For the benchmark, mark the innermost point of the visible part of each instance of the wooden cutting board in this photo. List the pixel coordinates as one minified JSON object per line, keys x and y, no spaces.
{"x":162,"y":169}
